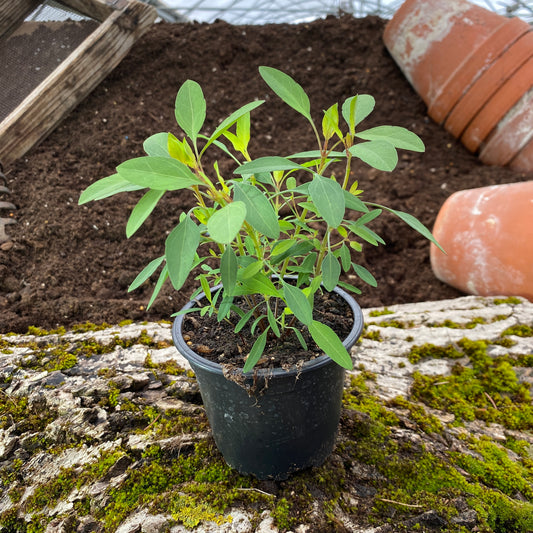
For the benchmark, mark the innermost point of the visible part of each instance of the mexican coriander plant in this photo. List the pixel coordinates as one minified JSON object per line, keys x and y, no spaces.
{"x":261,"y":255}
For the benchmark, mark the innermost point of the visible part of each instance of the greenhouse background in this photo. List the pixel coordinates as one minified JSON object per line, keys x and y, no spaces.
{"x":291,"y":11}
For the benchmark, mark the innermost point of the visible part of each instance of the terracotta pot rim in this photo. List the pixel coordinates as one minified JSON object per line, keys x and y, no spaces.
{"x":475,"y":64}
{"x":489,"y":84}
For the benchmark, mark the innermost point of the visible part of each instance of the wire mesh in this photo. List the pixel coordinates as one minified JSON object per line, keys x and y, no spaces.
{"x":266,"y":11}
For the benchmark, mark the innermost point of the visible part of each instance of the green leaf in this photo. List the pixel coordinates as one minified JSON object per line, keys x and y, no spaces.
{"x":354,"y":203}
{"x":261,"y":284}
{"x":345,"y":257}
{"x":225,"y":223}
{"x":317,"y":154}
{"x":328,"y":197}
{"x":244,"y":320}
{"x":228,"y":270}
{"x":105,"y":187}
{"x":367,"y":234}
{"x":414,"y":223}
{"x":190,"y":108}
{"x":328,"y":341}
{"x":378,"y":154}
{"x":296,"y":250}
{"x":161,"y":173}
{"x":287,"y":89}
{"x":368,"y":217}
{"x":365,"y":275}
{"x":272,"y":321}
{"x":256,"y":352}
{"x":349,"y":287}
{"x":232,"y":119}
{"x":259,"y":211}
{"x":180,"y":250}
{"x":142,"y":211}
{"x":330,"y":122}
{"x":206,"y":288}
{"x":266,"y":164}
{"x":157,"y":145}
{"x":395,"y":135}
{"x":146,"y":273}
{"x":162,"y":278}
{"x":300,"y":338}
{"x":331,"y":271}
{"x":298,"y":303}
{"x":251,"y":270}
{"x":356,"y":109}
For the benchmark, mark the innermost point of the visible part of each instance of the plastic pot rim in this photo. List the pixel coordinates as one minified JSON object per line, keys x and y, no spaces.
{"x":308,"y":366}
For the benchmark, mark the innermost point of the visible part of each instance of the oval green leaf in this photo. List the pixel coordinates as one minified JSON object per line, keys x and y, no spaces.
{"x":225,"y":223}
{"x":395,"y":135}
{"x":287,"y":89}
{"x":298,"y":303}
{"x":180,"y":250}
{"x":190,"y":108}
{"x":328,"y":341}
{"x":378,"y":154}
{"x":161,"y":173}
{"x":259,"y":211}
{"x":328,"y":197}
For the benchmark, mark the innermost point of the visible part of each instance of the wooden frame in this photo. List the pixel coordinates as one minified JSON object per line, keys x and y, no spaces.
{"x":122,"y":22}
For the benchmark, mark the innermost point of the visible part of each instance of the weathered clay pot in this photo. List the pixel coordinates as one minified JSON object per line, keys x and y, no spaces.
{"x":508,"y":142}
{"x":431,"y":40}
{"x":493,"y":94}
{"x":474,"y":65}
{"x":488,"y":236}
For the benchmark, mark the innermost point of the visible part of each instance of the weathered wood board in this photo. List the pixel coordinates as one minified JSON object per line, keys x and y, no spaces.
{"x":105,"y":38}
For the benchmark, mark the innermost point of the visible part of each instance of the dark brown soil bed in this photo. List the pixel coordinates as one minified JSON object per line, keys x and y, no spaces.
{"x":69,"y":264}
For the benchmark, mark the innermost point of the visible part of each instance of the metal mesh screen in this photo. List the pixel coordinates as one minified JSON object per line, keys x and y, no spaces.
{"x":265,"y":11}
{"x":36,"y":48}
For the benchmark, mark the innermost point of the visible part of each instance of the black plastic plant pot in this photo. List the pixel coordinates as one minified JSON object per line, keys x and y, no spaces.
{"x":290,"y":423}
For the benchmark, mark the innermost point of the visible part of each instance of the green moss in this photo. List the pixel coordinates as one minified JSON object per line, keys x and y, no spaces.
{"x":489,"y":390}
{"x":39,"y":332}
{"x":519,"y":330}
{"x":374,"y":335}
{"x":392,"y":324}
{"x":380,"y":312}
{"x":49,"y":494}
{"x":427,"y":351}
{"x":511,"y":301}
{"x":29,"y":417}
{"x":427,"y":422}
{"x":169,"y":367}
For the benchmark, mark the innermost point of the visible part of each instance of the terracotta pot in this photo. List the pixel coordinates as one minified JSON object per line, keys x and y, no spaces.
{"x":428,"y":40}
{"x":488,"y":236}
{"x":524,"y":159}
{"x":511,"y":137}
{"x":475,"y":64}
{"x":494,"y":93}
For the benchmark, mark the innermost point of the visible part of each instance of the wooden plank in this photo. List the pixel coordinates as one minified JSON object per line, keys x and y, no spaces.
{"x":41,"y":111}
{"x":13,"y":13}
{"x":96,"y":9}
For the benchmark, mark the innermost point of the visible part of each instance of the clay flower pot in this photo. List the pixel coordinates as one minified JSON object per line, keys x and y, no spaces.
{"x":432,"y":40}
{"x":474,"y":69}
{"x":474,"y":65}
{"x":494,"y":93}
{"x":508,"y":143}
{"x":488,"y":236}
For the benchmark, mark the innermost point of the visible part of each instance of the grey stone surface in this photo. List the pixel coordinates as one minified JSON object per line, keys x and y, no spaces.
{"x":84,"y":422}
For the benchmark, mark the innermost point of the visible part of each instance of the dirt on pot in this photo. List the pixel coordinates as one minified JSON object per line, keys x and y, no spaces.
{"x":69,"y":264}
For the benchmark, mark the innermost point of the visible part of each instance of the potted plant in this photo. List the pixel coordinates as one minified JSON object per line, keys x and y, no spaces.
{"x":267,"y":246}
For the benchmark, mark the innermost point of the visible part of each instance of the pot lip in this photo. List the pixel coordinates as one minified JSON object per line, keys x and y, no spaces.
{"x":308,"y":366}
